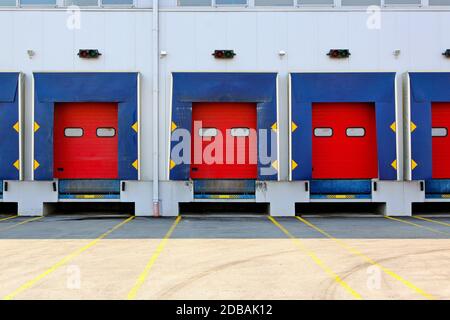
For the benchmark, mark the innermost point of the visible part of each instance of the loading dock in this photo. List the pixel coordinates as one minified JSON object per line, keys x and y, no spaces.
{"x":86,"y":137}
{"x":344,"y":140}
{"x":427,"y":118}
{"x":231,"y":119}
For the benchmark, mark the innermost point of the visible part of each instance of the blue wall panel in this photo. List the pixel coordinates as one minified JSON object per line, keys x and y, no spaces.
{"x":9,"y":116}
{"x":309,"y":88}
{"x":51,"y":88}
{"x":260,"y":88}
{"x":425,"y":88}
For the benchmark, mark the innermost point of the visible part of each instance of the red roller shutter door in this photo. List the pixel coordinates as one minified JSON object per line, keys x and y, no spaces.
{"x":213,"y":124}
{"x":86,"y":141}
{"x":344,"y":141}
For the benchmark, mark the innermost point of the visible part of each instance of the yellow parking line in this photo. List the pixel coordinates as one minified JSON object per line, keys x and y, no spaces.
{"x":143,"y":276}
{"x":27,"y":285}
{"x":369,"y":260}
{"x":7,"y":218}
{"x":21,"y":223}
{"x":416,"y":225}
{"x":433,"y":221}
{"x":317,"y":260}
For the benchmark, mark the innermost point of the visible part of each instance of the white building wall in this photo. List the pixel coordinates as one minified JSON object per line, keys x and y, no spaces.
{"x":189,"y":37}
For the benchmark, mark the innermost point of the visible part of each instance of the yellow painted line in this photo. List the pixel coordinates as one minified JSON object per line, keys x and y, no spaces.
{"x":143,"y":276}
{"x":416,"y":225}
{"x":7,"y":218}
{"x":433,"y":221}
{"x":317,"y":260}
{"x":21,"y":223}
{"x":356,"y":252}
{"x":27,"y":285}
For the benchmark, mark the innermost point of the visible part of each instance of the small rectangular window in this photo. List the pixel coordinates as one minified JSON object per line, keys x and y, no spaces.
{"x":274,"y":3}
{"x":240,"y":132}
{"x":438,"y":132}
{"x":355,"y":132}
{"x":231,"y":2}
{"x":402,"y":2}
{"x":193,"y":3}
{"x":8,"y":3}
{"x":38,"y":2}
{"x":316,"y":2}
{"x":117,"y":2}
{"x":439,"y":2}
{"x":207,"y":132}
{"x":323,"y":132}
{"x":361,"y":3}
{"x":73,"y":132}
{"x":106,"y":132}
{"x":82,"y":3}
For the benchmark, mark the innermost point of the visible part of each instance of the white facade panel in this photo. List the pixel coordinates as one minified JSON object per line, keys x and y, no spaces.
{"x":124,"y":37}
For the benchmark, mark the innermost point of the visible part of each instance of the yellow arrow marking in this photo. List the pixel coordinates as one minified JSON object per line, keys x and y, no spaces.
{"x":274,"y":127}
{"x":393,"y":126}
{"x":413,"y":126}
{"x":16,"y":126}
{"x":275,"y":165}
{"x":36,"y":126}
{"x":172,"y":164}
{"x":293,"y":164}
{"x":135,"y":126}
{"x":36,"y":165}
{"x":413,"y":164}
{"x":394,"y":164}
{"x":173,"y":126}
{"x":17,"y":164}
{"x":293,"y":126}
{"x":135,"y":164}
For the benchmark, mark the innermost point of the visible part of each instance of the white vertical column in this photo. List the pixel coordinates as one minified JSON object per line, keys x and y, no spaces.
{"x":155,"y":32}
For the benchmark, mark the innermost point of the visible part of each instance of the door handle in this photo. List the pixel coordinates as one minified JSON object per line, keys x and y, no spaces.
{"x":60,"y":169}
{"x":194,"y":169}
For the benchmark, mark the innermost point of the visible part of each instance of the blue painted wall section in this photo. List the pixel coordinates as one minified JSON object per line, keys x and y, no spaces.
{"x":51,"y":88}
{"x":9,"y":118}
{"x":309,"y":88}
{"x":260,"y":88}
{"x":425,"y":88}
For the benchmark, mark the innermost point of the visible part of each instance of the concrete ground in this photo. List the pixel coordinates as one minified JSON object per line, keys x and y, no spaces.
{"x":117,"y":257}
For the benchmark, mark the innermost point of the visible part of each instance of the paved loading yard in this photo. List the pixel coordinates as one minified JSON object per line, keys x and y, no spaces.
{"x":118,"y":257}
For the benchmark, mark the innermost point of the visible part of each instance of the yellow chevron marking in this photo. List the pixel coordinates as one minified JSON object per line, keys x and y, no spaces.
{"x":16,"y":126}
{"x":173,"y":126}
{"x":17,"y":164}
{"x":36,"y":126}
{"x":36,"y":165}
{"x":172,"y":164}
{"x":275,"y":165}
{"x":293,"y":126}
{"x":413,"y":164}
{"x":135,"y":126}
{"x":274,"y":127}
{"x":394,"y":164}
{"x":293,"y":164}
{"x":413,"y":126}
{"x":135,"y":164}
{"x":393,"y":126}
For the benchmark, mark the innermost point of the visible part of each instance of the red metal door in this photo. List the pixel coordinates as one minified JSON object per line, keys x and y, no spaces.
{"x":85,"y":141}
{"x":224,"y":142}
{"x":440,"y":122}
{"x":344,"y":141}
